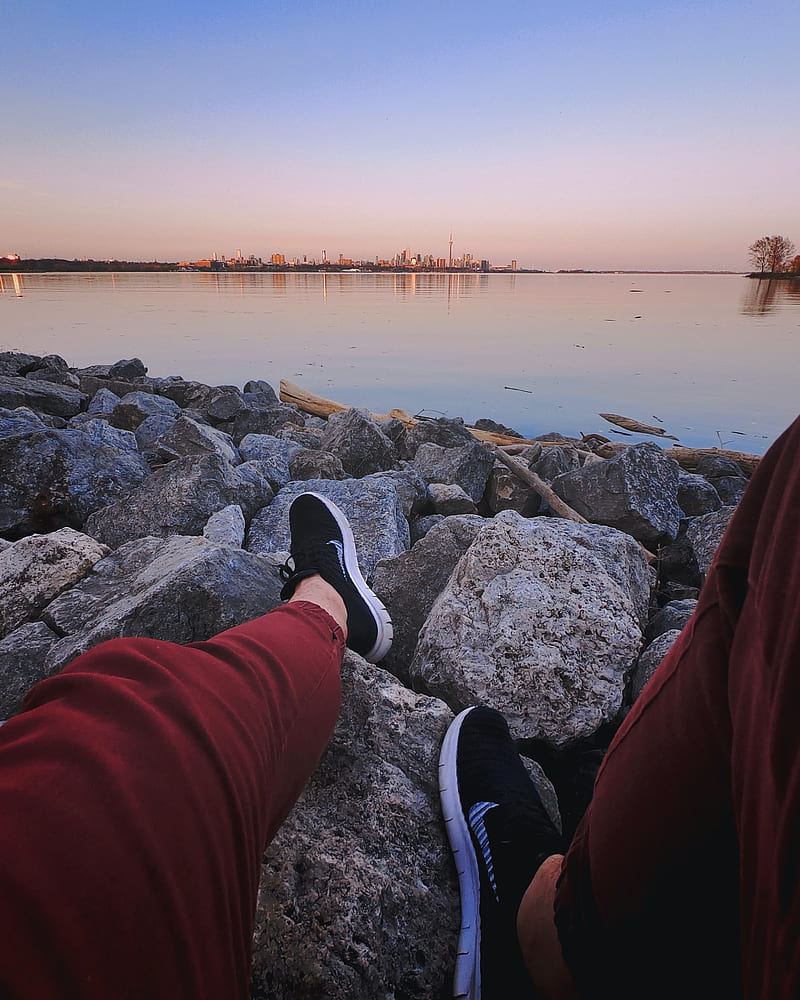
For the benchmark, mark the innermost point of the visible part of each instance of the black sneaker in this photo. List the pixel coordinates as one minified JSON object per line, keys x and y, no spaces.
{"x":500,"y":834}
{"x":322,"y":543}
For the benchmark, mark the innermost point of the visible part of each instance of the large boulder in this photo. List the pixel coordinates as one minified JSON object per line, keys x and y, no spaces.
{"x":50,"y":479}
{"x":447,"y":432}
{"x":672,"y":617}
{"x":38,"y":568}
{"x":649,"y":661}
{"x":226,"y":527}
{"x":704,"y":535}
{"x":179,"y":499}
{"x":273,"y":454}
{"x":636,"y":492}
{"x":311,"y":463}
{"x":15,"y":364}
{"x":358,"y":896}
{"x":449,"y":498}
{"x":23,"y":655}
{"x":696,"y":495}
{"x":540,"y":619}
{"x":506,"y":491}
{"x":134,"y":407}
{"x":409,"y":584}
{"x":264,"y":419}
{"x":468,"y":466}
{"x":359,"y":443}
{"x":186,"y":437}
{"x":19,"y":421}
{"x":182,"y":589}
{"x":44,"y":397}
{"x":372,"y":508}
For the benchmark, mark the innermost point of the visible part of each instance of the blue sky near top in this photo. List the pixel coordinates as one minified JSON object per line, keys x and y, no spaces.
{"x":597,"y":135}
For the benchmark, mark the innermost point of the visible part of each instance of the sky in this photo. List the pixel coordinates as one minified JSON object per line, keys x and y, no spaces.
{"x":598,"y":135}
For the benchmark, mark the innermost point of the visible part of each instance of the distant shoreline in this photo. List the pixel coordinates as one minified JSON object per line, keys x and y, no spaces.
{"x":60,"y":265}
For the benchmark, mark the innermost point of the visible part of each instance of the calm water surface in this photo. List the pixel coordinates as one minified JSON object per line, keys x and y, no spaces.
{"x":715,"y":359}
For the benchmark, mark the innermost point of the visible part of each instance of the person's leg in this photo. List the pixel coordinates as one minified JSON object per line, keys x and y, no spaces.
{"x":697,"y":805}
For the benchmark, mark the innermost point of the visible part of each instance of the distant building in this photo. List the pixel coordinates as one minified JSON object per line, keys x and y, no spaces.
{"x":277,"y":258}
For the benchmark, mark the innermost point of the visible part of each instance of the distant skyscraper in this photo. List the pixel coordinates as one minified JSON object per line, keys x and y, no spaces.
{"x":450,"y":264}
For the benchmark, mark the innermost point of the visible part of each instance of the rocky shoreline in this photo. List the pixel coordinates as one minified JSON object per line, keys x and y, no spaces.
{"x":132,"y":505}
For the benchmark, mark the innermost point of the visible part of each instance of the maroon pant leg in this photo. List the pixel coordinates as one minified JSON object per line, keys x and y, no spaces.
{"x":138,"y":789}
{"x":683,"y":878}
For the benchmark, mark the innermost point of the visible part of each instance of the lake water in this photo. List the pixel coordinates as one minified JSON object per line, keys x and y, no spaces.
{"x":713,"y":358}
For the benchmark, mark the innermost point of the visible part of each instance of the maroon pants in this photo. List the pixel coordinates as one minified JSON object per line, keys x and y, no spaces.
{"x":138,"y":789}
{"x":683,"y":879}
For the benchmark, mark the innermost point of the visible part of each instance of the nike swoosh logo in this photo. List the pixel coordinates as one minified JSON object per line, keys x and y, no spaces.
{"x":340,"y":555}
{"x":476,"y":824}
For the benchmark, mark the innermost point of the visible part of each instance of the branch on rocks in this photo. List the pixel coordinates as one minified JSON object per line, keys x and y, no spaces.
{"x":688,"y":458}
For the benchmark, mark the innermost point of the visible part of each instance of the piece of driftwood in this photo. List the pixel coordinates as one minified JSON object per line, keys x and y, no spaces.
{"x":687,"y":458}
{"x":629,"y":424}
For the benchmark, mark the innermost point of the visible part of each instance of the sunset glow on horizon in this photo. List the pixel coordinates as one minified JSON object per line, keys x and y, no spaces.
{"x":647,"y":135}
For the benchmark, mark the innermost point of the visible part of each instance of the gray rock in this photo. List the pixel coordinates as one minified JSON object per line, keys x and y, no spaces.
{"x":44,"y":397}
{"x":557,"y":437}
{"x":187,"y":437}
{"x":505,"y":491}
{"x":395,"y":430}
{"x":673,"y":615}
{"x":411,"y":488}
{"x":730,"y":489}
{"x":704,"y":535}
{"x":486,"y":424}
{"x":226,"y":527}
{"x":179,"y":499}
{"x":224,"y":404}
{"x":373,"y":510}
{"x":421,"y":526}
{"x":273,"y":454}
{"x":357,"y":440}
{"x":22,"y":664}
{"x":468,"y":466}
{"x":179,"y":589}
{"x":306,"y":437}
{"x":57,"y":376}
{"x":150,"y":430}
{"x":308,"y":463}
{"x":38,"y":568}
{"x":671,"y":590}
{"x":51,"y":479}
{"x":187,"y":394}
{"x":128,"y":369}
{"x":15,"y":364}
{"x":715,"y":466}
{"x":134,"y":407}
{"x":649,"y":661}
{"x":409,"y":584}
{"x":264,"y":420}
{"x":358,"y":894}
{"x":258,"y":385}
{"x":91,"y":384}
{"x":696,"y":495}
{"x":449,"y":498}
{"x":95,"y":371}
{"x":557,"y":460}
{"x":445,"y":431}
{"x":539,"y":621}
{"x":103,"y":403}
{"x":635,"y":492}
{"x":18,"y":421}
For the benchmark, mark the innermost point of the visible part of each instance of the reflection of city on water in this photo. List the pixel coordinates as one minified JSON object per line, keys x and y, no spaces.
{"x":12,"y":284}
{"x":765,"y":295}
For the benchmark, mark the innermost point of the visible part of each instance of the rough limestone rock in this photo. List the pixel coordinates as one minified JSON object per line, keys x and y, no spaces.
{"x":357,"y":440}
{"x":556,"y":461}
{"x":306,"y":437}
{"x":103,"y":403}
{"x":449,"y":498}
{"x":44,"y":397}
{"x":505,"y":491}
{"x":186,"y":393}
{"x":19,"y":421}
{"x":23,"y":653}
{"x":539,"y":621}
{"x":134,"y":407}
{"x":468,"y":465}
{"x":696,"y":495}
{"x":730,"y":489}
{"x":226,"y":527}
{"x":128,"y":369}
{"x":51,"y":479}
{"x":674,"y":615}
{"x":311,"y":463}
{"x":187,"y":437}
{"x":183,"y":589}
{"x":358,"y":896}
{"x":487,"y":424}
{"x":57,"y":376}
{"x":636,"y":492}
{"x":447,"y":432}
{"x":373,"y":510}
{"x":411,"y":488}
{"x":258,"y":385}
{"x":409,"y":584}
{"x":422,"y":525}
{"x":179,"y":499}
{"x":150,"y":430}
{"x":264,"y":420}
{"x":704,"y":535}
{"x":91,"y":384}
{"x":715,"y":466}
{"x":15,"y":364}
{"x":226,"y":402}
{"x":649,"y":661}
{"x":273,"y":454}
{"x":38,"y":568}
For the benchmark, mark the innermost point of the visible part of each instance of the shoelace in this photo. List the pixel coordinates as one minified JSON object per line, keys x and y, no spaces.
{"x":315,"y":556}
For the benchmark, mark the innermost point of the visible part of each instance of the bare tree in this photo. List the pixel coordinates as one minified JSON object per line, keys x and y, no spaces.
{"x":770,"y":253}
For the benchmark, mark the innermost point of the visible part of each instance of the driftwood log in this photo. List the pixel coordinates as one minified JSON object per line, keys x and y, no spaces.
{"x":687,"y":458}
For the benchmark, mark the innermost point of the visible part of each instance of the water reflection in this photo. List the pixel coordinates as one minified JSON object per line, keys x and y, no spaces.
{"x":16,"y":286}
{"x":766,"y":295}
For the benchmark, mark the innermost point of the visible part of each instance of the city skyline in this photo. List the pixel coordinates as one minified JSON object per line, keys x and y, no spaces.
{"x":653,"y":135}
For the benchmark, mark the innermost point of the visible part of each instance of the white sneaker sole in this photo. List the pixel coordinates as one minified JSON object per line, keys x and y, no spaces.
{"x":379,"y":613}
{"x":467,"y":975}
